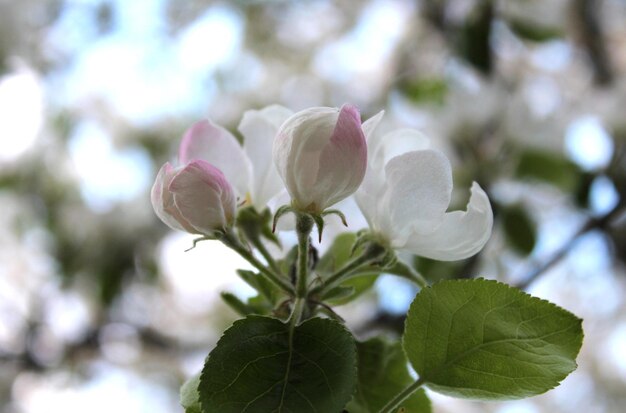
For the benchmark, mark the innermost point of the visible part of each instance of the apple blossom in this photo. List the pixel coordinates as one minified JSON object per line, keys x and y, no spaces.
{"x":321,"y":155}
{"x":405,"y":195}
{"x":195,"y":197}
{"x":249,"y":168}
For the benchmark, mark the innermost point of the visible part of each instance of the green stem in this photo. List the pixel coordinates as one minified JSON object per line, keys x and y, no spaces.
{"x":230,"y":240}
{"x":411,"y":274}
{"x":393,"y":403}
{"x":258,"y":244}
{"x":304,"y":226}
{"x":369,"y":256}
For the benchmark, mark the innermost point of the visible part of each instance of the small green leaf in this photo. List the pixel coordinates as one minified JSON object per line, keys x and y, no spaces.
{"x":339,"y":293}
{"x":338,"y":254}
{"x":265,"y":288}
{"x":189,"y":396}
{"x":256,"y":367}
{"x":236,"y":304}
{"x":519,"y":228}
{"x":483,"y":339}
{"x":383,"y":373}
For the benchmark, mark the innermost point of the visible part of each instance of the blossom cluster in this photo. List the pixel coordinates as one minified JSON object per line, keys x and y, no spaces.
{"x":321,"y":156}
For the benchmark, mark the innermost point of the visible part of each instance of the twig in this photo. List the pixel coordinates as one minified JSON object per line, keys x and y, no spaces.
{"x":591,"y":224}
{"x":592,"y":38}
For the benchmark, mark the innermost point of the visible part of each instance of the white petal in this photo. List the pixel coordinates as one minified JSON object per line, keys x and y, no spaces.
{"x":214,"y":144}
{"x":297,"y":149}
{"x":418,"y":191}
{"x":368,"y":204}
{"x":370,"y":125}
{"x":462,"y":233}
{"x":395,"y":143}
{"x":343,"y":161}
{"x":259,"y":128}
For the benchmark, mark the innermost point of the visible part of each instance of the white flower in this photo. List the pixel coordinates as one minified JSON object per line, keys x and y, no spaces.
{"x":405,"y":194}
{"x":249,"y":168}
{"x":321,"y":155}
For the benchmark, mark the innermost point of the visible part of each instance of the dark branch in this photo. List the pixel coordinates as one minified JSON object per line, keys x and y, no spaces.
{"x":591,"y":224}
{"x":587,"y":14}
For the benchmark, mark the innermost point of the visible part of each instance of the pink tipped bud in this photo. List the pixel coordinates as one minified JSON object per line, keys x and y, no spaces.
{"x":195,"y":198}
{"x":321,"y":155}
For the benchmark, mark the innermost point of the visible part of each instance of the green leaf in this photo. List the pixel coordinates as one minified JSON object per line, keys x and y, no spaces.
{"x":256,"y":367}
{"x":482,"y":339}
{"x":189,"y":396}
{"x":236,"y":304}
{"x":265,"y":288}
{"x":383,"y":373}
{"x":548,"y":167}
{"x":338,"y":254}
{"x":519,"y":228}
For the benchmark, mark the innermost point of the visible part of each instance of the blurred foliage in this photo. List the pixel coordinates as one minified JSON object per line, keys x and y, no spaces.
{"x":548,"y":167}
{"x":536,"y":33}
{"x":460,"y":68}
{"x":426,"y":91}
{"x":519,"y":228}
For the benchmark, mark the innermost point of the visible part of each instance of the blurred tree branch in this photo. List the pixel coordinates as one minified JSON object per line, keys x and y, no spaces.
{"x":586,"y":13}
{"x":592,"y":224}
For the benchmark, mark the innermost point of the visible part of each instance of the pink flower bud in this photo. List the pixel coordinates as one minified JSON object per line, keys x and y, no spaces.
{"x":321,"y":155}
{"x":195,"y":198}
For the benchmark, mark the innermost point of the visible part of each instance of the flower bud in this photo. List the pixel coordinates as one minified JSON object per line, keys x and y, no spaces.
{"x":195,"y":198}
{"x":321,"y":156}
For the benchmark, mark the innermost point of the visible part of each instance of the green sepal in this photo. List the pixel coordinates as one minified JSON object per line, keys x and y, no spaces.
{"x":267,"y":230}
{"x":338,"y":213}
{"x":279,"y":213}
{"x":202,"y":238}
{"x":319,"y":223}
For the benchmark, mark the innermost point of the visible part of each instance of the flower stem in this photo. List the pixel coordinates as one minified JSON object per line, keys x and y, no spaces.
{"x":369,"y":256}
{"x":230,"y":240}
{"x":304,"y":226}
{"x":258,"y":244}
{"x":393,"y":403}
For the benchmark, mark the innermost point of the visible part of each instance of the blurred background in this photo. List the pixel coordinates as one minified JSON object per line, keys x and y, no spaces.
{"x":101,"y":308}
